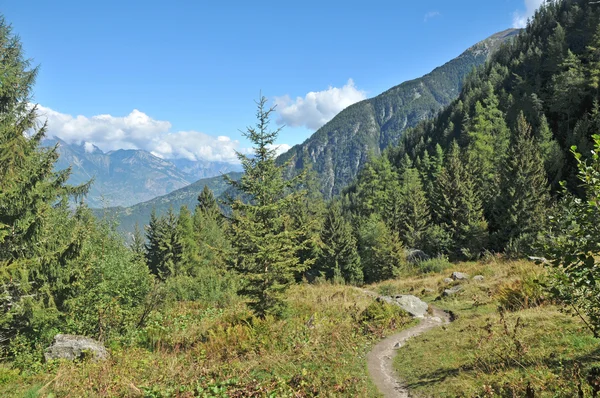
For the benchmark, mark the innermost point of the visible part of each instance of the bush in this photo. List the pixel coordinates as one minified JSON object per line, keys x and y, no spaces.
{"x":381,"y":315}
{"x":434,"y":265}
{"x":208,"y":285}
{"x":521,"y":294}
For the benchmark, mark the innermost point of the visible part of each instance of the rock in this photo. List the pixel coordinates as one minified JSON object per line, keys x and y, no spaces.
{"x":71,"y":347}
{"x":539,"y":260}
{"x":459,"y":276}
{"x":413,"y":305}
{"x":452,"y":291}
{"x":448,"y":280}
{"x":478,"y":278}
{"x":414,"y":256}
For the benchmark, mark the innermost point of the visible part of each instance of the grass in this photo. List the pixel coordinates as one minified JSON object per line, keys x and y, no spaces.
{"x":508,"y":340}
{"x":318,"y":349}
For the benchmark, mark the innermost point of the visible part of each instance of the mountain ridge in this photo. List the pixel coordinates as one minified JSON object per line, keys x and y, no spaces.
{"x":371,"y":125}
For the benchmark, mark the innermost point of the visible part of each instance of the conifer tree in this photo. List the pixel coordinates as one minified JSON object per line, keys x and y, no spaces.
{"x":339,"y":255}
{"x":380,"y":249}
{"x":522,"y":205}
{"x":39,"y":235}
{"x":186,"y":243}
{"x":414,"y":210}
{"x":138,"y":243}
{"x":457,"y":206}
{"x":207,"y":202}
{"x":163,"y":247}
{"x":264,"y":237}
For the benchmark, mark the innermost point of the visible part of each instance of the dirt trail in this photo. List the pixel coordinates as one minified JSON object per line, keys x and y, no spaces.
{"x":381,"y":358}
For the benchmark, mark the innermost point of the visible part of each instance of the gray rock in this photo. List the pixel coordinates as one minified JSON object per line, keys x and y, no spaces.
{"x":452,"y":291}
{"x":71,"y":347}
{"x":448,"y":280}
{"x":539,"y":260}
{"x":478,"y":278}
{"x":459,"y":276}
{"x":413,"y":256}
{"x":413,"y":305}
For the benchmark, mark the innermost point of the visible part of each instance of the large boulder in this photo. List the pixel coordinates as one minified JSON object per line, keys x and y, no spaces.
{"x":412,"y":304}
{"x":451,"y":291}
{"x":414,"y":256}
{"x":459,"y":276}
{"x":71,"y":347}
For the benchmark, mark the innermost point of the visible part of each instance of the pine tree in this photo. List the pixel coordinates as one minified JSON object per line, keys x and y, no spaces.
{"x":163,"y":247}
{"x":414,"y":210}
{"x":522,"y":205}
{"x":381,"y":252}
{"x":457,"y":207}
{"x":339,"y":255}
{"x":207,"y":202}
{"x":186,"y":243}
{"x":138,"y":243}
{"x":262,"y":231}
{"x":39,"y":234}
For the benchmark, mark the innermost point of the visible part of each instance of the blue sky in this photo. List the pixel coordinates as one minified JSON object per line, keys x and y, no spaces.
{"x":179,"y":77}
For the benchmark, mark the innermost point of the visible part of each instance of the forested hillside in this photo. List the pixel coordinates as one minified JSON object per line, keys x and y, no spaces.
{"x":338,"y":150}
{"x":481,"y":176}
{"x":127,"y":217}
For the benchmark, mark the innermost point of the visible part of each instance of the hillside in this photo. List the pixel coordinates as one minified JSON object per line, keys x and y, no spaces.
{"x":126,"y":177}
{"x":127,"y":217}
{"x":339,"y":149}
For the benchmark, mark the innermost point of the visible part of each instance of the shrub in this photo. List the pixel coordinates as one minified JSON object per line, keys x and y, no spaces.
{"x":521,"y":294}
{"x":434,"y":265}
{"x":381,"y":315}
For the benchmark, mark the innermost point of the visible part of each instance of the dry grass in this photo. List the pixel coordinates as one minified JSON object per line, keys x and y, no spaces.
{"x":319,"y":349}
{"x":492,"y":352}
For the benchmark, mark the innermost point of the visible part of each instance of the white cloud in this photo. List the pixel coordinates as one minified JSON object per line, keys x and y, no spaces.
{"x":431,"y":14}
{"x":280,"y":148}
{"x":520,"y":17}
{"x":139,"y":131}
{"x":317,"y":108}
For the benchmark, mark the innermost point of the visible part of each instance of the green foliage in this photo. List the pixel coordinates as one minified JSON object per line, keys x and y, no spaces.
{"x":458,"y":208}
{"x":164,"y":248}
{"x":574,"y":243}
{"x":338,"y":254}
{"x":381,"y":251}
{"x":380,"y":314}
{"x":264,"y":237}
{"x":524,"y":198}
{"x":436,"y":264}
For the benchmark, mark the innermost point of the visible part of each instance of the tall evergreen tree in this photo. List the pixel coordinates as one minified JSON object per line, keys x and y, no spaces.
{"x":264,"y":237}
{"x":524,"y":198}
{"x":39,"y":235}
{"x":163,"y":247}
{"x":380,"y":249}
{"x":414,"y":210}
{"x":457,"y":206}
{"x":207,"y":202}
{"x":339,"y":255}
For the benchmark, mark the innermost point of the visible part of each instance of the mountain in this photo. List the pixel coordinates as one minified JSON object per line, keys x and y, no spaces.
{"x":338,"y":150}
{"x":129,"y":176}
{"x":127,"y":217}
{"x":200,"y":169}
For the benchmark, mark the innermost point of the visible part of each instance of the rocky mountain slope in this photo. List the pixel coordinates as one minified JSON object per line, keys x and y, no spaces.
{"x":339,"y":149}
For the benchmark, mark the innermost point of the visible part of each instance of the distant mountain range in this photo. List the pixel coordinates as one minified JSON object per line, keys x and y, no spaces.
{"x":338,"y":150}
{"x":129,"y":176}
{"x":127,"y":217}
